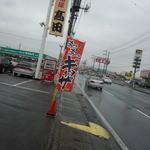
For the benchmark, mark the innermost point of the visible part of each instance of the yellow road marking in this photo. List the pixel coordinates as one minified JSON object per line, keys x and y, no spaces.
{"x":93,"y":129}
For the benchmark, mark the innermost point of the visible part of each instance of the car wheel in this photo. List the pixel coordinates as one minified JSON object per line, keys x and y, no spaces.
{"x":3,"y":70}
{"x":15,"y":74}
{"x":87,"y":84}
{"x":100,"y":89}
{"x":0,"y":70}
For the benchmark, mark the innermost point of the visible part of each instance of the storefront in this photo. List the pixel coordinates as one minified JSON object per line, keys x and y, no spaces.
{"x":20,"y":55}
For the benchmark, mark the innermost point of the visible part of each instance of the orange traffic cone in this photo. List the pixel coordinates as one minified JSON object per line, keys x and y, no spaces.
{"x":52,"y":110}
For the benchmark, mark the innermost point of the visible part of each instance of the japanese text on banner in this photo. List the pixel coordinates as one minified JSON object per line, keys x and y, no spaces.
{"x":70,"y":64}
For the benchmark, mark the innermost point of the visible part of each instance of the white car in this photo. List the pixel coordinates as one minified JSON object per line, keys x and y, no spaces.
{"x":24,"y":68}
{"x":107,"y":80}
{"x":95,"y":82}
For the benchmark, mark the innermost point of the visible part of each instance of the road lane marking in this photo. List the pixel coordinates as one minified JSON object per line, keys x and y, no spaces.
{"x":120,"y":142}
{"x":22,"y":82}
{"x":143,"y":113}
{"x":24,"y":88}
{"x":5,"y":83}
{"x":32,"y":89}
{"x":108,"y":93}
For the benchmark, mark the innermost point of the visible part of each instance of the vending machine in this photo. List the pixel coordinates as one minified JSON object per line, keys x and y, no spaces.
{"x":49,"y":69}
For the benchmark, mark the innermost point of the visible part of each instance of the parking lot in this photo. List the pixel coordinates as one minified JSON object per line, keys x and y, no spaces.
{"x":24,"y":103}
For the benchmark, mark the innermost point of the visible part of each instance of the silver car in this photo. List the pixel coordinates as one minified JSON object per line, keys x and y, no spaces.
{"x":95,"y":82}
{"x":107,"y":80}
{"x":24,"y":68}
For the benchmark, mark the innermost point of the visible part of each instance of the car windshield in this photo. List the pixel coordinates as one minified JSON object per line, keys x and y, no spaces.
{"x":26,"y":64}
{"x":96,"y":78}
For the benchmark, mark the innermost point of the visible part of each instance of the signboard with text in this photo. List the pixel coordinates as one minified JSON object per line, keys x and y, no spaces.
{"x":70,"y":64}
{"x":58,"y":19}
{"x":102,"y":60}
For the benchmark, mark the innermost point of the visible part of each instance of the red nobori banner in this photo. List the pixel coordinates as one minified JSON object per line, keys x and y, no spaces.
{"x":103,"y":60}
{"x":70,"y":64}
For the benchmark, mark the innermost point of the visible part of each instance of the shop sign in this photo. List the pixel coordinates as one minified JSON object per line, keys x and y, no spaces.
{"x":103,"y":60}
{"x":20,"y":52}
{"x":138,"y":53}
{"x":58,"y":19}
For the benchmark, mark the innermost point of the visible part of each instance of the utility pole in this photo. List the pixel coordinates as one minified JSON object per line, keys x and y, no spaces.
{"x":94,"y":59}
{"x":19,"y":46}
{"x":74,"y":10}
{"x":104,"y":63}
{"x":46,"y":27}
{"x":107,"y":62}
{"x":74,"y":14}
{"x":99,"y":67}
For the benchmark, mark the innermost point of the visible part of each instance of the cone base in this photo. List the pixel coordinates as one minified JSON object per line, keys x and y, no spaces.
{"x":50,"y":115}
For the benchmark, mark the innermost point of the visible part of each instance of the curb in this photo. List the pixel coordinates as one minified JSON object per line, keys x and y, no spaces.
{"x":141,"y":91}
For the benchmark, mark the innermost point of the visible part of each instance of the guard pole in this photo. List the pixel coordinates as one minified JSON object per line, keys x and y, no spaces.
{"x":46,"y":27}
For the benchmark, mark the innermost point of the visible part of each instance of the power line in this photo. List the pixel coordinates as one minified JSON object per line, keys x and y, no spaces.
{"x":143,"y":40}
{"x":137,"y":5}
{"x":24,"y":37}
{"x":128,"y":42}
{"x":132,"y":40}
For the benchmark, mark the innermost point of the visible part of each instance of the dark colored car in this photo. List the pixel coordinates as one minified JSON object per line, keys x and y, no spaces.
{"x":25,"y":68}
{"x":5,"y":65}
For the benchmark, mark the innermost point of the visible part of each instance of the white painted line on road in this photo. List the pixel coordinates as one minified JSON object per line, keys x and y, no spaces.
{"x":5,"y":83}
{"x":32,"y":89}
{"x":108,"y":93}
{"x":25,"y":88}
{"x":22,"y":82}
{"x":143,"y":113}
{"x":120,"y":142}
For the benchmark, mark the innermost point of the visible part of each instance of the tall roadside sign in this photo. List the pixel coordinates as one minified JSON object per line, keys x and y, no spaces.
{"x":137,"y":61}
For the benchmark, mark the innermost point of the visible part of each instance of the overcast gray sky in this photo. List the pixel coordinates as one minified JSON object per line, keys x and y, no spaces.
{"x":119,"y":26}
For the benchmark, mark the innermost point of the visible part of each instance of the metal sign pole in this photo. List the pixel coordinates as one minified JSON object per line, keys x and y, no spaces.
{"x":46,"y":27}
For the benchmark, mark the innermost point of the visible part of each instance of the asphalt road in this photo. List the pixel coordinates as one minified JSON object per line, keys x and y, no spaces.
{"x":126,"y":110}
{"x":23,"y":106}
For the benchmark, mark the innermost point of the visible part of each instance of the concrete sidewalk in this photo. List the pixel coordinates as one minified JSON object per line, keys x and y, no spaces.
{"x":73,"y":107}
